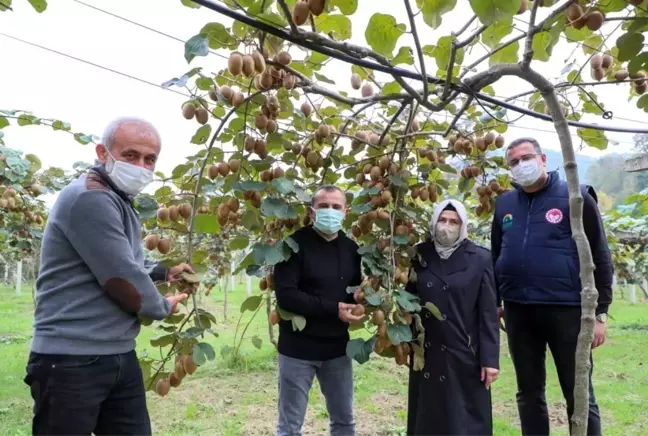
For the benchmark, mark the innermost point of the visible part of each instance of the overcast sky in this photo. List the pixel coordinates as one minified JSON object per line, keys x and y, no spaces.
{"x":53,"y":86}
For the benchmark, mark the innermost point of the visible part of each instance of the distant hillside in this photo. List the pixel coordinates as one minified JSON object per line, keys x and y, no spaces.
{"x":555,"y":162}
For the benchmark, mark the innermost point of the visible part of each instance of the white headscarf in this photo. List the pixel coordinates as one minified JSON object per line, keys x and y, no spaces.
{"x":446,"y":252}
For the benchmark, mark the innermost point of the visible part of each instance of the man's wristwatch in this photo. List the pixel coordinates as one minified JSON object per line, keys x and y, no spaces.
{"x":602,"y":317}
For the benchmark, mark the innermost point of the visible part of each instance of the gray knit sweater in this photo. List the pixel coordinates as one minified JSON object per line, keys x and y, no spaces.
{"x":94,"y":281}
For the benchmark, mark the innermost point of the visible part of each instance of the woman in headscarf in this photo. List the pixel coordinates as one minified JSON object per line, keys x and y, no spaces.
{"x":451,"y":394}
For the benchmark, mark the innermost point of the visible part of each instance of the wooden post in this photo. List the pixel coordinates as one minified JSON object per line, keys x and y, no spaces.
{"x":633,"y":294}
{"x":248,"y":285}
{"x":19,"y":277}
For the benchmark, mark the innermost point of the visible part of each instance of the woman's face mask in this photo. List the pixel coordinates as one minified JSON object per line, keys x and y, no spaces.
{"x":130,"y":178}
{"x":446,"y":234}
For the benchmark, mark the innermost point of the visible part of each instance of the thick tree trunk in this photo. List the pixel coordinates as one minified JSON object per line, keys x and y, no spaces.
{"x":589,"y":294}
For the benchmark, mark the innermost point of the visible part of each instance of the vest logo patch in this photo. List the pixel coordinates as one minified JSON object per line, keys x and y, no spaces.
{"x":507,"y":221}
{"x":554,"y":216}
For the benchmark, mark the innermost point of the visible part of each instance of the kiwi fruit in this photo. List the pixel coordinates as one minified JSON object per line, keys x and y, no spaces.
{"x":284,"y":58}
{"x":188,"y":110}
{"x":151,"y":242}
{"x":356,"y":81}
{"x":248,"y":67}
{"x":367,"y":90}
{"x":235,"y":64}
{"x":202,"y":115}
{"x":301,"y":11}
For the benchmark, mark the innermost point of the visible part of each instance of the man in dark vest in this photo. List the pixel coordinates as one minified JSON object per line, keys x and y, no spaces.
{"x":538,"y":277}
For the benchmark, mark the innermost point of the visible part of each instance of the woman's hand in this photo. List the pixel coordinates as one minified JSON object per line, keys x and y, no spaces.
{"x":488,"y":376}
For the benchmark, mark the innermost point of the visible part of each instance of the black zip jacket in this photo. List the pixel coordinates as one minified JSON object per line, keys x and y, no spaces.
{"x":311,"y":284}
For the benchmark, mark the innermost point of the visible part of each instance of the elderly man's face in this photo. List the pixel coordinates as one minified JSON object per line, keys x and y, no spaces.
{"x":133,"y":143}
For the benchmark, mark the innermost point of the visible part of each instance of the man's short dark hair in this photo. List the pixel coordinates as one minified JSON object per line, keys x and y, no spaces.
{"x":520,"y":141}
{"x":326,"y":188}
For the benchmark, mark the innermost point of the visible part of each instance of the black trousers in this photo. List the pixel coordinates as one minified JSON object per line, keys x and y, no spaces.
{"x":80,"y":395}
{"x":530,"y":329}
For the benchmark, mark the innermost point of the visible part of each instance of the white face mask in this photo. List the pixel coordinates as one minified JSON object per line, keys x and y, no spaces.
{"x":526,"y":173}
{"x":446,"y":234}
{"x":128,"y":177}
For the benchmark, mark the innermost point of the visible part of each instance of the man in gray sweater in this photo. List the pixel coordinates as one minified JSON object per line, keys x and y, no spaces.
{"x":93,"y":286}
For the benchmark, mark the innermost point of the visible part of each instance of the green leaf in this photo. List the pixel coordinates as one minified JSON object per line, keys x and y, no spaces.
{"x":638,"y":63}
{"x":204,"y":83}
{"x":629,"y":46}
{"x":39,"y":5}
{"x":206,"y":224}
{"x":249,"y":186}
{"x":507,"y":55}
{"x":218,"y":36}
{"x":347,"y":7}
{"x":5,"y":5}
{"x":323,"y":78}
{"x":642,"y":103}
{"x":576,"y":35}
{"x":292,"y":244}
{"x":192,"y":278}
{"x":492,"y":11}
{"x":407,"y":301}
{"x":239,"y":243}
{"x":405,"y":55}
{"x":251,"y":304}
{"x":257,"y":342}
{"x":434,"y":310}
{"x":338,"y":25}
{"x":401,"y":240}
{"x":543,"y":44}
{"x":593,"y":138}
{"x":276,"y":207}
{"x":399,"y":333}
{"x":283,"y":185}
{"x":202,"y":135}
{"x":442,"y":52}
{"x":360,"y":350}
{"x":197,"y":45}
{"x":494,"y":33}
{"x":202,"y":352}
{"x":190,"y":4}
{"x":447,"y":168}
{"x":26,"y":120}
{"x":374,"y":299}
{"x":298,"y":322}
{"x":4,"y":122}
{"x":162,"y":341}
{"x":251,"y":220}
{"x":382,"y":33}
{"x":391,"y":88}
{"x":432,"y":10}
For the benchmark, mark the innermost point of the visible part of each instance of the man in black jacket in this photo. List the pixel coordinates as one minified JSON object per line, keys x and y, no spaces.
{"x":313,"y":283}
{"x":538,"y":276}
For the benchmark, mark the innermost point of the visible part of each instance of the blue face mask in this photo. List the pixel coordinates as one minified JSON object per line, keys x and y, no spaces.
{"x":328,"y":221}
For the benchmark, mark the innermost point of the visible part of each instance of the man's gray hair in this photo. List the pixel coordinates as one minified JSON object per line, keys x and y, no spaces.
{"x":326,"y":188}
{"x":520,"y":141}
{"x":108,"y":137}
{"x":109,"y":132}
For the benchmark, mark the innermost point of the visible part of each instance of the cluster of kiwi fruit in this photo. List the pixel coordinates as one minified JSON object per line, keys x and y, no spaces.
{"x":265,"y":77}
{"x":304,"y":8}
{"x":365,"y":222}
{"x":229,"y":211}
{"x":600,"y":63}
{"x":193,"y":109}
{"x":257,"y":146}
{"x":466,"y":144}
{"x":266,"y":121}
{"x":224,"y":168}
{"x":366,"y":90}
{"x":578,"y":18}
{"x":377,"y":172}
{"x":154,"y":242}
{"x":425,"y":193}
{"x":174,"y":212}
{"x":435,"y":158}
{"x":280,"y":224}
{"x":485,"y":195}
{"x":254,"y":197}
{"x":312,"y":158}
{"x":184,"y":365}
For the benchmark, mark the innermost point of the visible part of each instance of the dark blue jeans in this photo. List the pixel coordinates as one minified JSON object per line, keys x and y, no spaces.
{"x":530,"y":330}
{"x":80,"y":395}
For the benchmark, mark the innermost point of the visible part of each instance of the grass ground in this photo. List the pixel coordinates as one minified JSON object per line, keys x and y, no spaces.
{"x":240,"y":399}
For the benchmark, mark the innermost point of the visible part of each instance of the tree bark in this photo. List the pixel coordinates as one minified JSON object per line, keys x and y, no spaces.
{"x":589,"y":294}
